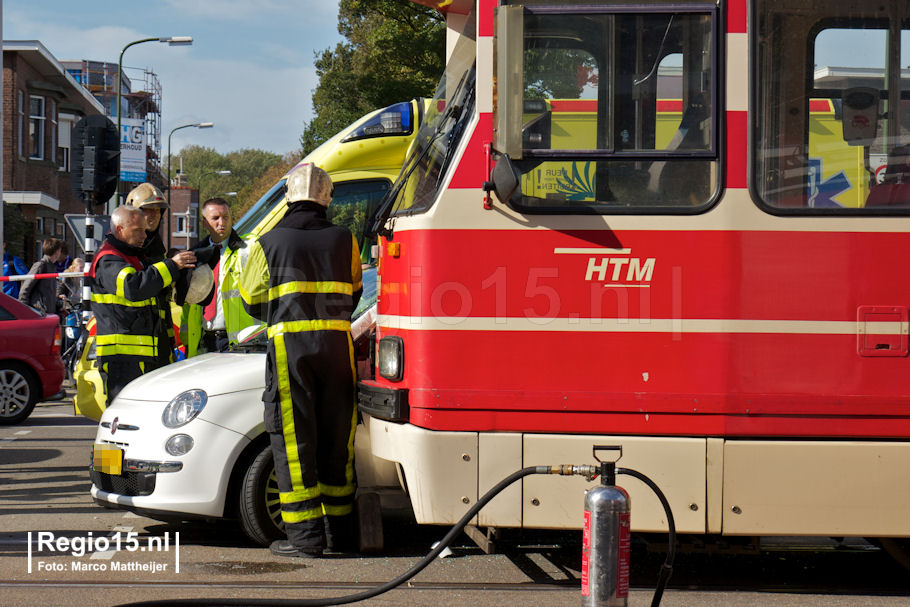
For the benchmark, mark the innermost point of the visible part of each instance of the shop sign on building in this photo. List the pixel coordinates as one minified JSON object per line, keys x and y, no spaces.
{"x":132,"y":150}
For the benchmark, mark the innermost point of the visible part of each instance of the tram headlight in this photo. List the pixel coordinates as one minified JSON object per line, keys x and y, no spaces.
{"x":391,"y":358}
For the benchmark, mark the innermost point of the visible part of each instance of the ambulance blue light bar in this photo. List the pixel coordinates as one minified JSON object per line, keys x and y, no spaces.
{"x":396,"y":119}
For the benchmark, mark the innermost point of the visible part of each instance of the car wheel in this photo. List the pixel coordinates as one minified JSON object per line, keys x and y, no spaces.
{"x":260,"y":506}
{"x":18,"y":393}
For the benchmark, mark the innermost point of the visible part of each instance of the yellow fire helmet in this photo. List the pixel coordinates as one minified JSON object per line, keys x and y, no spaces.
{"x":146,"y":196}
{"x":308,"y":182}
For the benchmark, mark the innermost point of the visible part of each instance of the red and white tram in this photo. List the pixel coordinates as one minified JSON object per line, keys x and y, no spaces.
{"x":691,"y":266}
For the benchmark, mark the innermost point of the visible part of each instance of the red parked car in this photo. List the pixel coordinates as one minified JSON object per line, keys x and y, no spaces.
{"x":30,"y":365}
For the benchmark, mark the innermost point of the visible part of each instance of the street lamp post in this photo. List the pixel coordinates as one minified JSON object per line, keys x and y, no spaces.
{"x":202,"y":176}
{"x":172,"y":41}
{"x":199,"y":125}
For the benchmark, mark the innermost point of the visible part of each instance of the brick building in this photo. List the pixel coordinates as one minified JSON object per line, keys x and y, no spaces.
{"x":41,"y":104}
{"x":184,"y":214}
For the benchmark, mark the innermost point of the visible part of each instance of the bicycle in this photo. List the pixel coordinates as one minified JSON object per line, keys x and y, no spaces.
{"x":75,"y":335}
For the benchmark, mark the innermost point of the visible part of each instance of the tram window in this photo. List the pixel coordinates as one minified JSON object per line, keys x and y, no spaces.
{"x":619,"y":111}
{"x":832,"y":117}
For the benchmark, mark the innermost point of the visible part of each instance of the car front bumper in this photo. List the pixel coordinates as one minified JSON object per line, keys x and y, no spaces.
{"x":193,"y":485}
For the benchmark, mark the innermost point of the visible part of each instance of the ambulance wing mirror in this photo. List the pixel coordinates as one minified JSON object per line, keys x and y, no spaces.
{"x":505,"y":179}
{"x":860,"y":115}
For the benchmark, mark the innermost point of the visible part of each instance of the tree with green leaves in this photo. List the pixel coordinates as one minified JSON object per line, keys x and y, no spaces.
{"x":248,"y":195}
{"x":393,"y":51}
{"x":558,"y":73}
{"x":201,"y":166}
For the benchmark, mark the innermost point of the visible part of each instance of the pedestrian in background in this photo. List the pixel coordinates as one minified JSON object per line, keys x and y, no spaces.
{"x":303,"y":277}
{"x":70,"y":288}
{"x":65,"y":260}
{"x":41,"y":293}
{"x":12,"y":266}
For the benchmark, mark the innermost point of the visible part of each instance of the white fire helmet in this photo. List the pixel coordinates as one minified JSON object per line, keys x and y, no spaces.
{"x":309,"y":182}
{"x":146,"y":196}
{"x":201,"y":282}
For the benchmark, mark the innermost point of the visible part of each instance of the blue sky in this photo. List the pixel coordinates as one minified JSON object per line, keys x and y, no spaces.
{"x":249,"y":70}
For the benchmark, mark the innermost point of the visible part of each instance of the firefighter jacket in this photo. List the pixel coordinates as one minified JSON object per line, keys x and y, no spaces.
{"x":125,"y":302}
{"x":235,"y":317}
{"x":303,"y":282}
{"x":155,"y":251}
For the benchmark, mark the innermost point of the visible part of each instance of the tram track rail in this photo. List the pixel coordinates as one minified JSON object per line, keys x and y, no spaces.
{"x":290,"y":591}
{"x":284,"y":585}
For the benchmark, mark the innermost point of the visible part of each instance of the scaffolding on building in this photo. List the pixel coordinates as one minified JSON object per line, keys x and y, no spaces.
{"x":140,"y":98}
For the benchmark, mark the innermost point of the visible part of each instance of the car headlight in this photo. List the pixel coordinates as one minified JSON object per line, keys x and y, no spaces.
{"x":184,"y":408}
{"x":391,"y":358}
{"x":179,"y":444}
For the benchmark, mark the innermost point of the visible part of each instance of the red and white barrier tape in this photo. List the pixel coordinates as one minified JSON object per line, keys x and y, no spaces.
{"x":18,"y":277}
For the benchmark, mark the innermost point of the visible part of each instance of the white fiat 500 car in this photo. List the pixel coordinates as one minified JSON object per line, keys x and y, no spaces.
{"x":187,"y":441}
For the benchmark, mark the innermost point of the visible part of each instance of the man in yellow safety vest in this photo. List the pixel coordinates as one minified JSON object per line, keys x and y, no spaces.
{"x":213,"y":324}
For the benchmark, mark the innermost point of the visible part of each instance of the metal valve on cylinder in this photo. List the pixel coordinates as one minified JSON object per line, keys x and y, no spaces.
{"x":607,"y":539}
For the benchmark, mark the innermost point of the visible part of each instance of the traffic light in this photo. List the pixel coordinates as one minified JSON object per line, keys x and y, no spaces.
{"x":95,"y":158}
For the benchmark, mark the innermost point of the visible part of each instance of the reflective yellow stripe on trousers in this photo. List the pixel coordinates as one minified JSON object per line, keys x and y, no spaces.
{"x":300,"y":517}
{"x":287,"y":414}
{"x":119,"y":343}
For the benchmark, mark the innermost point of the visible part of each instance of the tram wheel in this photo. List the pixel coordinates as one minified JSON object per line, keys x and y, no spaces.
{"x":898,"y":549}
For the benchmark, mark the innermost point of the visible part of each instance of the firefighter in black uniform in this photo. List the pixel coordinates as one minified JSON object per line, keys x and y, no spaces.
{"x":303,"y":278}
{"x":151,"y":202}
{"x":124,"y":300}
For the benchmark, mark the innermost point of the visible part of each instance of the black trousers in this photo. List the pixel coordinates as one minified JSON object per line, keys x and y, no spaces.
{"x":117,"y":374}
{"x":310,"y":416}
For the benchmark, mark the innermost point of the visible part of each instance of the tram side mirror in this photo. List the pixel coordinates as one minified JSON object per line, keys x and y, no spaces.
{"x":860,"y":115}
{"x":508,"y":44}
{"x":505,"y":179}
